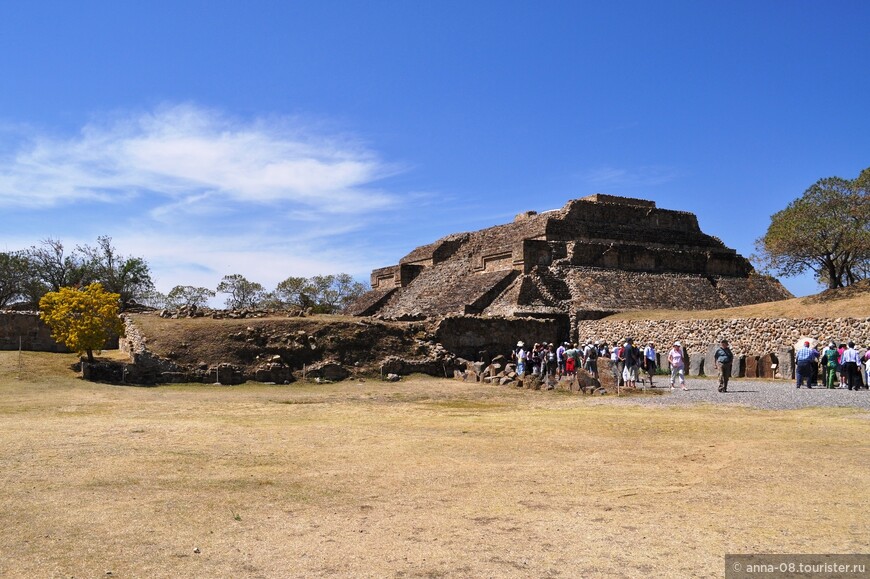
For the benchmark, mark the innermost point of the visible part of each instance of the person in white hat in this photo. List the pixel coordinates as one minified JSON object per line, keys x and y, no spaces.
{"x":675,"y":358}
{"x":520,"y":356}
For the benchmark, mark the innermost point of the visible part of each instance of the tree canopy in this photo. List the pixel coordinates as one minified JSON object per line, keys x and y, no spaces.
{"x":241,"y":292}
{"x":13,"y":277}
{"x":82,"y":319}
{"x":188,"y":295}
{"x":826,"y":230}
{"x":324,"y":294}
{"x":127,"y":276}
{"x":48,"y":267}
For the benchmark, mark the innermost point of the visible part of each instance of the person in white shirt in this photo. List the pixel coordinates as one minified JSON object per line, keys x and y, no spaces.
{"x":649,"y":361}
{"x":675,"y":358}
{"x":520,"y":356}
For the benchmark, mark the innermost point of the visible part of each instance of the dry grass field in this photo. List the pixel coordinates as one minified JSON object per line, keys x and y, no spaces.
{"x":421,"y":478}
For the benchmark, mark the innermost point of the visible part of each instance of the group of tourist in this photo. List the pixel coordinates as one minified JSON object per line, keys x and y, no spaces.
{"x":840,"y":366}
{"x":627,"y":361}
{"x":835,"y":366}
{"x":554,"y":361}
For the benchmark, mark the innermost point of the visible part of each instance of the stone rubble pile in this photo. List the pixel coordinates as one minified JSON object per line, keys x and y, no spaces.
{"x":499,"y":371}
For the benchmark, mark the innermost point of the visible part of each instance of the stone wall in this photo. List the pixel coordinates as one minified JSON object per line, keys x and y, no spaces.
{"x":469,"y":336}
{"x":26,"y":330}
{"x":757,"y":343}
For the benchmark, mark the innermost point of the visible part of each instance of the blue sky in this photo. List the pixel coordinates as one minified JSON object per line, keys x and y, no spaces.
{"x":277,"y":139}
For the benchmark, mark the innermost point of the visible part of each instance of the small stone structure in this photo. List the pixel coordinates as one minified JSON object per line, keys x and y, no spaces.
{"x":24,"y":329}
{"x":593,"y":257}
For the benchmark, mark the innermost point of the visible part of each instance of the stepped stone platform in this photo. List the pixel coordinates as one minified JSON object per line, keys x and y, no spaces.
{"x":595,"y":256}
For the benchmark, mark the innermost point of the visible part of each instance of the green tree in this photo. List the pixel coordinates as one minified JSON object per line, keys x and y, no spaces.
{"x":325,"y":294}
{"x":82,"y":319}
{"x":242,"y":293}
{"x":13,"y":277}
{"x":129,"y":277}
{"x":289,"y":292}
{"x":827,"y":231}
{"x":51,"y":268}
{"x":347,"y":290}
{"x":188,"y":295}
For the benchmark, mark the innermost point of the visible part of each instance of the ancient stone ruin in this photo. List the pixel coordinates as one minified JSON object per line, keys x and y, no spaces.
{"x":595,"y":256}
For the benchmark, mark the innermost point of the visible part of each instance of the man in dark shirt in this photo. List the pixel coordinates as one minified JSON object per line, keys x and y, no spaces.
{"x":724,"y":359}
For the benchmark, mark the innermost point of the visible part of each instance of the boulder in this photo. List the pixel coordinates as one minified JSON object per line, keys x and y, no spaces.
{"x":328,"y":370}
{"x":532,"y":382}
{"x":606,"y":374}
{"x":586,"y":383}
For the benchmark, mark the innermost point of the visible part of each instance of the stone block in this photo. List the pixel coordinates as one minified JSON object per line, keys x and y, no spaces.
{"x":696,"y":365}
{"x":586,"y":383}
{"x":767,"y":366}
{"x":605,"y":374}
{"x":506,"y":380}
{"x":750,"y":366}
{"x":786,"y":368}
{"x":738,"y":368}
{"x":710,"y":361}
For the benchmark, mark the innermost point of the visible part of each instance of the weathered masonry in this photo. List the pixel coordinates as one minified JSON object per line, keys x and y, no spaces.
{"x":593,"y":257}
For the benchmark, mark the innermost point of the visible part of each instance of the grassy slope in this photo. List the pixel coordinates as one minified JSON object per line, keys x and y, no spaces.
{"x":852,"y":302}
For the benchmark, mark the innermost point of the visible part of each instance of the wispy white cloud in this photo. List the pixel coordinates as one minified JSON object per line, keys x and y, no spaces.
{"x":185,"y":155}
{"x":201,"y":195}
{"x":644,"y":176}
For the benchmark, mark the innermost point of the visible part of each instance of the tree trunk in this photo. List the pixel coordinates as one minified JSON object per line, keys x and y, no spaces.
{"x":90,"y":356}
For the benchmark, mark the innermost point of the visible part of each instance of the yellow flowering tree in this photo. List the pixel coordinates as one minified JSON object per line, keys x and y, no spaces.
{"x":82,"y":319}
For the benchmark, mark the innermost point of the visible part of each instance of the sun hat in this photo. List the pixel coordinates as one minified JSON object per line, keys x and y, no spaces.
{"x":677,"y":343}
{"x":520,"y":344}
